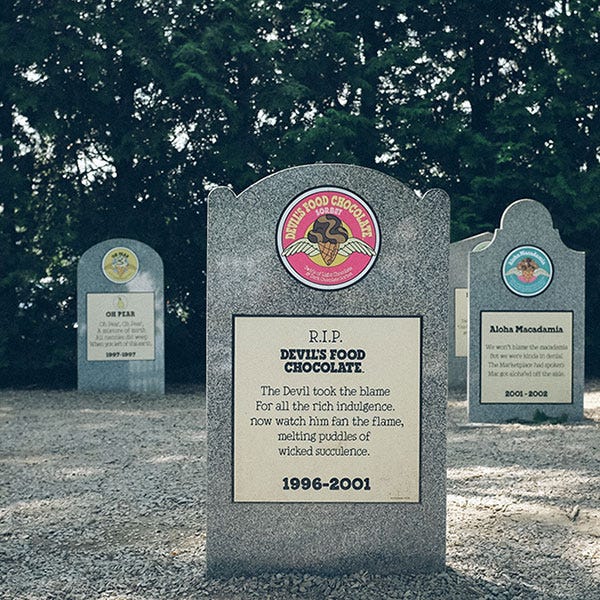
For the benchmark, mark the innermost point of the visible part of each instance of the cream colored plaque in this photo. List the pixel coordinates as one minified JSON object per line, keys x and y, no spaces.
{"x":526,"y":357}
{"x":327,"y":409}
{"x":461,"y":317}
{"x":120,"y":326}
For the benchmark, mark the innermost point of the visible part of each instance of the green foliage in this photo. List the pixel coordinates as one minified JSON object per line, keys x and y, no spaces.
{"x":118,"y":116}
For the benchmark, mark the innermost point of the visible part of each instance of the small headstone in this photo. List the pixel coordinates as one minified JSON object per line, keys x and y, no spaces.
{"x":458,"y":343}
{"x":326,"y":374}
{"x":120,"y":309}
{"x":526,"y":305}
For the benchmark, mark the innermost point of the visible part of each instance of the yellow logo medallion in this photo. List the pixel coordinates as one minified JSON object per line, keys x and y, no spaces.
{"x":120,"y":265}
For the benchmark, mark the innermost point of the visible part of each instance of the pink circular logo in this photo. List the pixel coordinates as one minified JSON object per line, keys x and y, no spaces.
{"x":328,"y":238}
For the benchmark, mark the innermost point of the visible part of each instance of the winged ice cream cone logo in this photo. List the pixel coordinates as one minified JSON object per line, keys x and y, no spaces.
{"x":120,"y":265}
{"x":328,"y":238}
{"x":528,"y":270}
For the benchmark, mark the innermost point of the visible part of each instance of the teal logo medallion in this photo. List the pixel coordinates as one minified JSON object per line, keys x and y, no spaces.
{"x":527,"y":271}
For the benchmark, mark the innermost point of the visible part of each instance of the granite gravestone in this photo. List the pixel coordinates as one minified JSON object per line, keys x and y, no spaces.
{"x":459,"y":309}
{"x":326,"y":374}
{"x":526,"y":305}
{"x":120,"y":338}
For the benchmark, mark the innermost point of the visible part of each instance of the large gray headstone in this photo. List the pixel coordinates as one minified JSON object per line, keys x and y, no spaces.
{"x":458,"y":343}
{"x":120,"y":317}
{"x":527,"y":301}
{"x":326,"y":374}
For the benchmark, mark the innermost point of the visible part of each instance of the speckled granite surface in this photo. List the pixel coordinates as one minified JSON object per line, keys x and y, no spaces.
{"x":246,"y":276}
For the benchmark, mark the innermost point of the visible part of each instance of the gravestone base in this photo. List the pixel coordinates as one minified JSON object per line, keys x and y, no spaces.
{"x":323,"y":539}
{"x":524,"y":413}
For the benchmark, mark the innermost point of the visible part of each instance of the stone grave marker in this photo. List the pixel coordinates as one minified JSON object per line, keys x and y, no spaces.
{"x":326,"y":374}
{"x":526,"y":305}
{"x":120,"y":310}
{"x":459,"y":309}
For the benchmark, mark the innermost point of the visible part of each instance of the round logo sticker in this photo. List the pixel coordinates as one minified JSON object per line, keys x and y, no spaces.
{"x":328,"y":238}
{"x":527,"y":271}
{"x":120,"y":265}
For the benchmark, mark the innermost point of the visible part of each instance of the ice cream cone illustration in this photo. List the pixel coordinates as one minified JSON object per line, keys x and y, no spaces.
{"x":527,"y":267}
{"x":328,"y":251}
{"x":328,"y":232}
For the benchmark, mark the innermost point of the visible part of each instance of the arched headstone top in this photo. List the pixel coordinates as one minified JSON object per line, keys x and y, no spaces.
{"x":436,"y":197}
{"x":114,"y":243}
{"x":295,"y":180}
{"x":278,"y":210}
{"x":528,"y":213}
{"x":121,"y":263}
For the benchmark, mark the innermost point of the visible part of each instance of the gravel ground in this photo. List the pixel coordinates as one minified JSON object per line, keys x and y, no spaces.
{"x":103,"y":497}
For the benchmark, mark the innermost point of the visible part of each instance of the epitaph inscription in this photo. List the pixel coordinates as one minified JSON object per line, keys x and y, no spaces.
{"x":461,"y":320}
{"x":526,"y":357}
{"x":327,"y":409}
{"x":120,"y":326}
